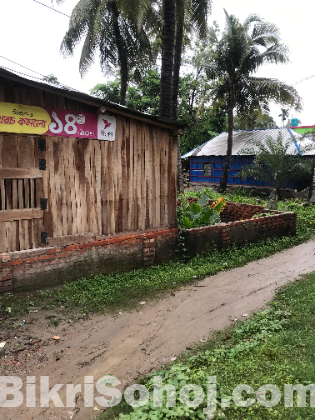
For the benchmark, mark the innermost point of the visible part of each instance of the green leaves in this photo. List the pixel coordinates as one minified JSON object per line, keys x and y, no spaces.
{"x":277,"y":161}
{"x":200,"y":213}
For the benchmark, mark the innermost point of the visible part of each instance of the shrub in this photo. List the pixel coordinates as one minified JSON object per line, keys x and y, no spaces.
{"x":200,"y":213}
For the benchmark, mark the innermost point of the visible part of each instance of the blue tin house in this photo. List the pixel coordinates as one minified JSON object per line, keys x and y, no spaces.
{"x":206,"y":162}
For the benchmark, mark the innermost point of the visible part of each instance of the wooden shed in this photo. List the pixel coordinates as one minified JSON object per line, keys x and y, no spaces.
{"x":73,"y":167}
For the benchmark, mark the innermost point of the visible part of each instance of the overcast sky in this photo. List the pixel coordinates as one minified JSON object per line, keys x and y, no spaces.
{"x":31,"y":35}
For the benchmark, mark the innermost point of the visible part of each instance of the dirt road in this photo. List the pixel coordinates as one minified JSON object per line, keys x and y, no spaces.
{"x":129,"y":344}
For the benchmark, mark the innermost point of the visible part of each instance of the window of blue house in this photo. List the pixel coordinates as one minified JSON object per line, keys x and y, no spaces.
{"x":207,"y":169}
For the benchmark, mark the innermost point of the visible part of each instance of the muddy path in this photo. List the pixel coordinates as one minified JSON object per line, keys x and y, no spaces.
{"x":127,"y":345}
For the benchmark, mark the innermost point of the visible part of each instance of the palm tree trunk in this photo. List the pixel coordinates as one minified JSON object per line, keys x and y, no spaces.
{"x":177,"y":65}
{"x":223,"y":183}
{"x":168,"y":46}
{"x":122,"y":55}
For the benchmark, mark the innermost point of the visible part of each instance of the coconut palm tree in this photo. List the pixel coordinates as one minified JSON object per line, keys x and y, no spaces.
{"x":233,"y":58}
{"x":191,"y":17}
{"x":284,"y":115}
{"x":179,"y":17}
{"x":108,"y":27}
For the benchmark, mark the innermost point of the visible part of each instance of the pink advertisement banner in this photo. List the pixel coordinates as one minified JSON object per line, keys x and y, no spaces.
{"x":81,"y":125}
{"x":25,"y":119}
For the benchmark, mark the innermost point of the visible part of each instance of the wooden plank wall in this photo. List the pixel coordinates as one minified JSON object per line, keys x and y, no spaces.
{"x":92,"y":186}
{"x":19,"y":152}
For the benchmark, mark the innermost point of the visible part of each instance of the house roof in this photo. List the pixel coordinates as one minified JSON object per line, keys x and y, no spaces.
{"x":241,"y":140}
{"x":87,"y":99}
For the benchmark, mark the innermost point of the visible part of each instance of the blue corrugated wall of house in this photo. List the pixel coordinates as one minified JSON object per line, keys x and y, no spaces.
{"x":197,"y":171}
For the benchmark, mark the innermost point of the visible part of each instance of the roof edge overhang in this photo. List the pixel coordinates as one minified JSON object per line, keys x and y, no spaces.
{"x":91,"y":100}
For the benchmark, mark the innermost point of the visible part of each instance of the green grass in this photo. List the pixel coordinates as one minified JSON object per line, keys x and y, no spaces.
{"x":123,"y":291}
{"x":274,"y":346}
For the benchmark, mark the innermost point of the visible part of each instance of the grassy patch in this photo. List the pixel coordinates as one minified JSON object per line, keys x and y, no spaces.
{"x":274,"y":346}
{"x":123,"y":291}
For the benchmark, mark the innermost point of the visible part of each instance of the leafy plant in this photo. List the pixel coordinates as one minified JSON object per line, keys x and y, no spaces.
{"x":200,"y":213}
{"x":277,"y":161}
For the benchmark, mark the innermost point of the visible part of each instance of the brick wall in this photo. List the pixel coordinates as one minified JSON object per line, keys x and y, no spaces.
{"x":223,"y":235}
{"x":46,"y":267}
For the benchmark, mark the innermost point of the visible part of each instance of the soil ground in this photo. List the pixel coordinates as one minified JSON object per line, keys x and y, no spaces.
{"x":130,"y":344}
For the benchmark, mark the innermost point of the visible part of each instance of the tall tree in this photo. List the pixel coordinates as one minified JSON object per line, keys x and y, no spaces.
{"x":107,"y":27}
{"x":233,"y":58}
{"x":252,"y":120}
{"x":175,"y":13}
{"x":168,"y":50}
{"x":179,"y":17}
{"x":284,"y":115}
{"x":191,"y":17}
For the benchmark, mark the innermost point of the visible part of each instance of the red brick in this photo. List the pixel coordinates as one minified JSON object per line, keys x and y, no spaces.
{"x":115,"y":240}
{"x":131,"y":241}
{"x":128,"y":238}
{"x":4,"y":274}
{"x":81,"y":251}
{"x":31,"y":260}
{"x":7,"y":277}
{"x":46,"y":257}
{"x":152,"y":235}
{"x":88,"y":245}
{"x":101,"y":243}
{"x":53,"y":250}
{"x":71,"y":248}
{"x":63,"y":255}
{"x":5,"y":265}
{"x":17,"y":262}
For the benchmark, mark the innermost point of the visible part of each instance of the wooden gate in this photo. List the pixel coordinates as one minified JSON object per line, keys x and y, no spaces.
{"x":21,"y":191}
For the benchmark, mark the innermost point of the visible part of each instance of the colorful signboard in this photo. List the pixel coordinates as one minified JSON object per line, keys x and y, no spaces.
{"x":305,"y":130}
{"x":15,"y":118}
{"x":24,"y":119}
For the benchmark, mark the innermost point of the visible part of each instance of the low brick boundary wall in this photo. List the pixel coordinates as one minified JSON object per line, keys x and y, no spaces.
{"x":45,"y":267}
{"x":223,"y":235}
{"x":49,"y":266}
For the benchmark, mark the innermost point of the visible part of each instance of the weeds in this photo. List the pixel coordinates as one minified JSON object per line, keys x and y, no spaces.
{"x":124,"y":290}
{"x":274,"y":346}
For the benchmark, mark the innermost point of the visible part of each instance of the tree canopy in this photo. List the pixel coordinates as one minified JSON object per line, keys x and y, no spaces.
{"x":233,"y":58}
{"x":277,"y":162}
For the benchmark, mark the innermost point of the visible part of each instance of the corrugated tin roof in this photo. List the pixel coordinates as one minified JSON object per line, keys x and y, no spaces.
{"x":68,"y":92}
{"x":242,"y":139}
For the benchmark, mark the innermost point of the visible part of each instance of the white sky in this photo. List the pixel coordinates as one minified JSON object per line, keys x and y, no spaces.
{"x":31,"y":35}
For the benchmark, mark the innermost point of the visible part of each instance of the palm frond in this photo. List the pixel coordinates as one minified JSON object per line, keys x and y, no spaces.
{"x":79,"y":24}
{"x":273,"y":90}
